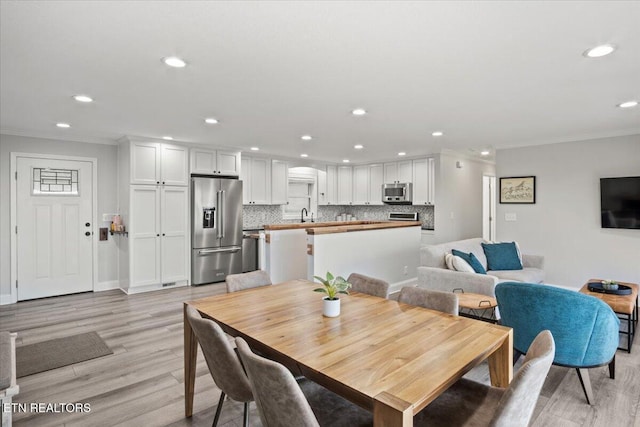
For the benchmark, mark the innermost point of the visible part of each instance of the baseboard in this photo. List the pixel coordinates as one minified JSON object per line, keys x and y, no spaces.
{"x":395,"y":287}
{"x":7,"y":299}
{"x":154,"y":287}
{"x":107,"y":285}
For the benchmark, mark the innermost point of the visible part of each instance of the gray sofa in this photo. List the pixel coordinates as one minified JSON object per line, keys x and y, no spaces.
{"x":434,"y":274}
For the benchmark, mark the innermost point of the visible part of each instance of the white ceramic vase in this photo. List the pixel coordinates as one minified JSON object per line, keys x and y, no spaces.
{"x":330,"y":308}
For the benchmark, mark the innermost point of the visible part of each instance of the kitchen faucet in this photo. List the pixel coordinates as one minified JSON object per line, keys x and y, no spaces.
{"x":302,"y":213}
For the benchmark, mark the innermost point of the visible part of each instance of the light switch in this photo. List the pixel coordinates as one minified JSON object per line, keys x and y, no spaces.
{"x":510,"y":216}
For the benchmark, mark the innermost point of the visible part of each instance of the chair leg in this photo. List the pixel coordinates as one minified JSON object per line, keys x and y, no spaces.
{"x":585,"y":382}
{"x":246,"y":414}
{"x":612,"y":368}
{"x":220,"y":402}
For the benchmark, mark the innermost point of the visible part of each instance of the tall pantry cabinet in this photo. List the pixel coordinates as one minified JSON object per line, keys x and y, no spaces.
{"x":153,"y":192}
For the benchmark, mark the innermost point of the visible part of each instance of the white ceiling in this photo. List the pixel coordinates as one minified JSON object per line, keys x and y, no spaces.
{"x":488,"y":74}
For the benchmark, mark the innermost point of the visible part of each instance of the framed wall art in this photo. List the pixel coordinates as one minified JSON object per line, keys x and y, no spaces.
{"x":518,"y":189}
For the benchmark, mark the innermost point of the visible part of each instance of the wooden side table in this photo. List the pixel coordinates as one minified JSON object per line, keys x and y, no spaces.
{"x":623,"y":305}
{"x":477,"y":306}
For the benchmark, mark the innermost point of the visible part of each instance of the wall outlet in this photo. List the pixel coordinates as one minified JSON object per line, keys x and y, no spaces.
{"x":510,"y":216}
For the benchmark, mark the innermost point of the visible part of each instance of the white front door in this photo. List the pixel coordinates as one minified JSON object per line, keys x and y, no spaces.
{"x":54,"y":227}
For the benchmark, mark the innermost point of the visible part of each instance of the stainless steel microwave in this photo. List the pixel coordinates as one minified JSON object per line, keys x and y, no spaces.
{"x":399,"y":193}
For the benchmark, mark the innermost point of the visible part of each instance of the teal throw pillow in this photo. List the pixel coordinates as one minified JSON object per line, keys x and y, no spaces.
{"x":502,"y":256}
{"x":471,"y":260}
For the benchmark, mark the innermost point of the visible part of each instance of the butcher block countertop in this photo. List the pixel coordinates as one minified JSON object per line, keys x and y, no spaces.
{"x":342,"y":226}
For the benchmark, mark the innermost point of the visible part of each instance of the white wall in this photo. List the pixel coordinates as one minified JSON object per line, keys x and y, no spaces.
{"x":107,"y":197}
{"x":564,"y":223}
{"x":458,"y":206}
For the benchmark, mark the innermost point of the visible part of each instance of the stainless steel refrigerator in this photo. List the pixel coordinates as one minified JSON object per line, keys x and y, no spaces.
{"x":216,"y":229}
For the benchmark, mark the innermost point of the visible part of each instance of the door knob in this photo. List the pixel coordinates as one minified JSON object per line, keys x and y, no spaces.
{"x":88,"y":233}
{"x":86,"y":224}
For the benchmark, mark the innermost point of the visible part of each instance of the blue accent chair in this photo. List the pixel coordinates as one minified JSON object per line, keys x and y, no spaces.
{"x":584,"y":328}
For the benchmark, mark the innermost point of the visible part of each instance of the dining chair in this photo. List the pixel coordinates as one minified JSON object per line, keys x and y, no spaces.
{"x":253,"y":279}
{"x":368,"y":285}
{"x":223,"y":362}
{"x":469,"y":403}
{"x":585,"y":328}
{"x":446,"y":302}
{"x":281,"y":401}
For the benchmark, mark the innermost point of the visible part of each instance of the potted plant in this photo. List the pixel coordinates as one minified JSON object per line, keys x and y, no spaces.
{"x":332,"y":287}
{"x":610,"y":285}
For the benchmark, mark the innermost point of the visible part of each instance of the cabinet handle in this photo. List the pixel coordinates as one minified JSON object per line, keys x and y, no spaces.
{"x":162,"y":182}
{"x":157,"y":235}
{"x":163,"y":234}
{"x":88,"y":233}
{"x":157,"y":182}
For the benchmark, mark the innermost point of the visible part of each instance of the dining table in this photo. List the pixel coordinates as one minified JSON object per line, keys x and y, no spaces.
{"x":387,"y":357}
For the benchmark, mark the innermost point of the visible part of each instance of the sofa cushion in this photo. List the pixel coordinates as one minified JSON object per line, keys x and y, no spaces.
{"x":471,"y":259}
{"x":459,"y":264}
{"x":433,"y":255}
{"x":527,"y":274}
{"x":502,"y":256}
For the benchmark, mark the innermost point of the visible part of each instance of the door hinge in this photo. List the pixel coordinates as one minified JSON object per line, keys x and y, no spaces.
{"x":16,"y":175}
{"x":16,"y":229}
{"x":16,"y":283}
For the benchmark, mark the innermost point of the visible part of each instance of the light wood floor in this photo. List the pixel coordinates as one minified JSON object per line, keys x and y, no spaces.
{"x":141,"y":384}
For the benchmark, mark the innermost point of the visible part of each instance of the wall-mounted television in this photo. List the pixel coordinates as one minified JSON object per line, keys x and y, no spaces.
{"x":620,"y":202}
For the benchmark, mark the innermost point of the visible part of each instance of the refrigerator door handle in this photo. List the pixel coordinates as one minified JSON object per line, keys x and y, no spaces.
{"x":221,"y":207}
{"x":220,"y":214}
{"x":231,"y":249}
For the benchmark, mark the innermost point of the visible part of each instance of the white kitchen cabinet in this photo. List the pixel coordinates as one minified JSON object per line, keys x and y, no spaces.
{"x":158,"y":236}
{"x":255,"y":174}
{"x":215,"y":162}
{"x":398,"y":172}
{"x":345,"y":185}
{"x":423,"y":181}
{"x":367,"y":184}
{"x":361,"y":185}
{"x":154,"y":163}
{"x":405,"y":171}
{"x":327,"y":186}
{"x":376,"y":179}
{"x":279,"y":182}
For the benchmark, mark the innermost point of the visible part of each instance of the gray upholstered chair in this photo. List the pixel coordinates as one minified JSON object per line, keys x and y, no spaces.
{"x":468,"y":403}
{"x":253,"y":279}
{"x":447,"y":302}
{"x":368,"y":285}
{"x":282,"y":402}
{"x":223,"y":362}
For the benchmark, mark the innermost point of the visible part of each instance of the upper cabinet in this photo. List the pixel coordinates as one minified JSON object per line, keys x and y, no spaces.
{"x":398,"y":172}
{"x":256,"y":181}
{"x":424,"y":181}
{"x":345,"y":185}
{"x":328,"y":186}
{"x":279,"y":182}
{"x":215,"y":162}
{"x":157,"y":163}
{"x":367,"y":184}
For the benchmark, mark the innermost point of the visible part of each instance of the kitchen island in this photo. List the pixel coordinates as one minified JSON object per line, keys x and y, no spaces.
{"x":388,"y":250}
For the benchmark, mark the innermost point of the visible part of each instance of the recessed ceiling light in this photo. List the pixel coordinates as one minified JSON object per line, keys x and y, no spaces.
{"x":628,"y":104}
{"x":304,"y":155}
{"x":63,"y":125}
{"x":255,"y":149}
{"x":174,"y":61}
{"x":306,"y":137}
{"x":402,"y":153}
{"x":598,"y":51}
{"x":359,"y":112}
{"x":211,"y":121}
{"x":358,"y":146}
{"x":83,"y":98}
{"x":485,"y":153}
{"x":437,"y":133}
{"x":168,"y":138}
{"x":345,"y":161}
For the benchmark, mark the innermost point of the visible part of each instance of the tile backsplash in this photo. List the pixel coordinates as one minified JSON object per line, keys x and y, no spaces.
{"x":258,"y":215}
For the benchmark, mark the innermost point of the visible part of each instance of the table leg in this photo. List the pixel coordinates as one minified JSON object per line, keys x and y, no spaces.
{"x":501,"y":363}
{"x":389,"y":411}
{"x":190,"y":360}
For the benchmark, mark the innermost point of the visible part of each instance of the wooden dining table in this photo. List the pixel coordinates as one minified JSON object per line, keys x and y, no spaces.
{"x":390,"y":358}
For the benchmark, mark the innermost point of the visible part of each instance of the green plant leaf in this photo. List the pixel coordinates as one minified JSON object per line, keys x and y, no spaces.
{"x":320,"y":290}
{"x":329,"y":276}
